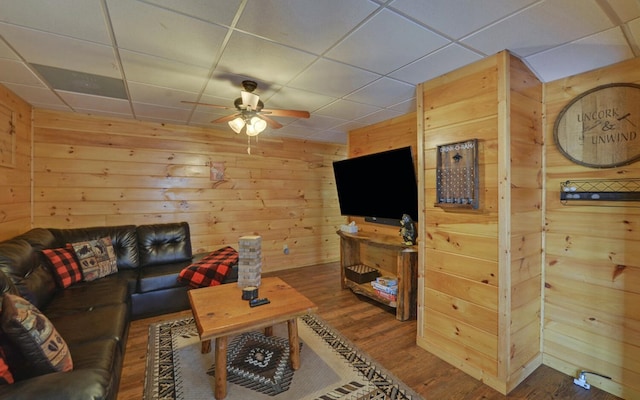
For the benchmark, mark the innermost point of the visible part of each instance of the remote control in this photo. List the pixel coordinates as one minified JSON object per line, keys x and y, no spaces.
{"x":258,"y":302}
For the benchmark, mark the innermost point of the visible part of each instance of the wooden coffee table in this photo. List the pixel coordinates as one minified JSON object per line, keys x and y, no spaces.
{"x":219,"y":312}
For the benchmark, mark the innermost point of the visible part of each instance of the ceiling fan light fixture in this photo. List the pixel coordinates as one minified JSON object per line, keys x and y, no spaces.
{"x":259,"y":124}
{"x":255,"y":126}
{"x":237,"y":124}
{"x":250,"y":100}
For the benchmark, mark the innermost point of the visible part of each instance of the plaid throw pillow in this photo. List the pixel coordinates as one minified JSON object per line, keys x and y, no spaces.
{"x":66,"y":269}
{"x":6,"y":376}
{"x":211,"y":270}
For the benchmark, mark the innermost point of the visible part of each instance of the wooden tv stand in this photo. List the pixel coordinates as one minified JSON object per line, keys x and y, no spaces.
{"x":390,"y":257}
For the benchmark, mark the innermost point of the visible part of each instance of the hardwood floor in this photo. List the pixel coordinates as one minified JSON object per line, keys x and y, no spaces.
{"x":375,"y":331}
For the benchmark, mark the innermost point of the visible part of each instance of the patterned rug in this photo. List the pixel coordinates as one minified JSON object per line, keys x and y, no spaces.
{"x":331,"y":367}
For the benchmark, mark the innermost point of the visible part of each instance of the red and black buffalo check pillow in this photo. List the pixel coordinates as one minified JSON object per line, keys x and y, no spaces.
{"x":210,"y":270}
{"x":65,"y":265}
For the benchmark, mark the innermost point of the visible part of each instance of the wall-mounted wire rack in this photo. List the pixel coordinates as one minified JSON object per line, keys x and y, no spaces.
{"x":600,"y":190}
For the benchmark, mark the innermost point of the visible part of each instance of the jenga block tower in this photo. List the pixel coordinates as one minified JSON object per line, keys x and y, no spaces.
{"x":249,"y":261}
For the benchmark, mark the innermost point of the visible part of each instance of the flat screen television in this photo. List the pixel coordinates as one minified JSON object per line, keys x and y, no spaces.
{"x":380,"y":186}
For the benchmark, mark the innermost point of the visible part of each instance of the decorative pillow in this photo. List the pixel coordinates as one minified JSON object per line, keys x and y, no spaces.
{"x":35,"y":336}
{"x":6,"y":376}
{"x":210,"y":270}
{"x":65,"y":266}
{"x":97,"y":258}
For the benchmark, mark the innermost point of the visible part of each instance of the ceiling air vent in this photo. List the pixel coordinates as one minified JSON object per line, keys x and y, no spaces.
{"x":81,"y":82}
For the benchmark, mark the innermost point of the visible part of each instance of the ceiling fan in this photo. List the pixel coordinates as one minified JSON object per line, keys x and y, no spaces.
{"x":250,"y":112}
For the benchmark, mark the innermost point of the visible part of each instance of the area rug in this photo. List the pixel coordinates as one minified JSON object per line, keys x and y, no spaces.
{"x":257,"y":366}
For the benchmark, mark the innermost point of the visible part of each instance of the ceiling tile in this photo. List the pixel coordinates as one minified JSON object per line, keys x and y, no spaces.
{"x":332,"y":78}
{"x":37,"y":96}
{"x":165,"y":73}
{"x":329,"y":136}
{"x":317,"y":121}
{"x":405,"y":107}
{"x":582,"y":55}
{"x":82,"y":19}
{"x":6,"y":52}
{"x":37,"y":47}
{"x":378,"y":116}
{"x":221,"y":13}
{"x":17,"y":72}
{"x":226,"y":85}
{"x":152,"y":112}
{"x":87,"y":102}
{"x":384,"y":92}
{"x":547,"y":24}
{"x":346,"y":109}
{"x":204,"y":116}
{"x":296,"y":99}
{"x":150,"y":94}
{"x":262,"y":60}
{"x":469,"y":16}
{"x":314,"y":25}
{"x":442,"y":61}
{"x":389,"y":31}
{"x":155,"y":31}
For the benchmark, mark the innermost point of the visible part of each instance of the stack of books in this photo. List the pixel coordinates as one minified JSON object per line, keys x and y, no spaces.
{"x":386,"y":287}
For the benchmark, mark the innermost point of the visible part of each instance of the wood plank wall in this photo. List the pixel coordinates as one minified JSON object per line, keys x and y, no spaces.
{"x":479,"y":266}
{"x":15,"y":180}
{"x":592,"y":268}
{"x":521,"y":282}
{"x":458,"y":315}
{"x":94,"y":171}
{"x":391,"y":134}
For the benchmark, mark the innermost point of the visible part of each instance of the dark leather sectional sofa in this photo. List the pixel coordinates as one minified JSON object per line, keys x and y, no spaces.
{"x":93,"y":317}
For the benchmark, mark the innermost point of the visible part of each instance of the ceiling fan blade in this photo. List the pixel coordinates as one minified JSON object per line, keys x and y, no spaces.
{"x":208,"y":105}
{"x":286,"y":113}
{"x":273,"y":124}
{"x":225,"y":119}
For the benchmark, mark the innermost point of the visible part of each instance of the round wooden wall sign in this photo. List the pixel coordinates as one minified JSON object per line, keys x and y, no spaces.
{"x":599,"y":128}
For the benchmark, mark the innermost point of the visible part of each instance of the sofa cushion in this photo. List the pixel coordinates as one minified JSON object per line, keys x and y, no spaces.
{"x":99,"y":353}
{"x":164,"y":243}
{"x":160,"y":277}
{"x":210,"y":270}
{"x":123,"y":238}
{"x":64,"y":265}
{"x":36,"y":337}
{"x":84,"y":296}
{"x":97,"y":258}
{"x":106,"y":322}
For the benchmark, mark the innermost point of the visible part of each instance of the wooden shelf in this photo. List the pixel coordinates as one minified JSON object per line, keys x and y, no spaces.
{"x":390,"y":257}
{"x":365,"y":289}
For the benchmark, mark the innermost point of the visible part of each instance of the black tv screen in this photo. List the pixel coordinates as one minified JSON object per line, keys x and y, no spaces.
{"x":380,"y":186}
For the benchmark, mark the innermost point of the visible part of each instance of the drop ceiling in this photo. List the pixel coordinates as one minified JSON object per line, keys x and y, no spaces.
{"x":350,"y":63}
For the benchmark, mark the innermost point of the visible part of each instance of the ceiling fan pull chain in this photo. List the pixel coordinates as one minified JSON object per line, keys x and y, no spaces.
{"x":248,"y":144}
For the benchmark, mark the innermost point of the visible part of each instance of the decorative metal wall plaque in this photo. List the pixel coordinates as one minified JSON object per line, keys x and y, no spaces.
{"x":7,"y":137}
{"x":457,"y":175}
